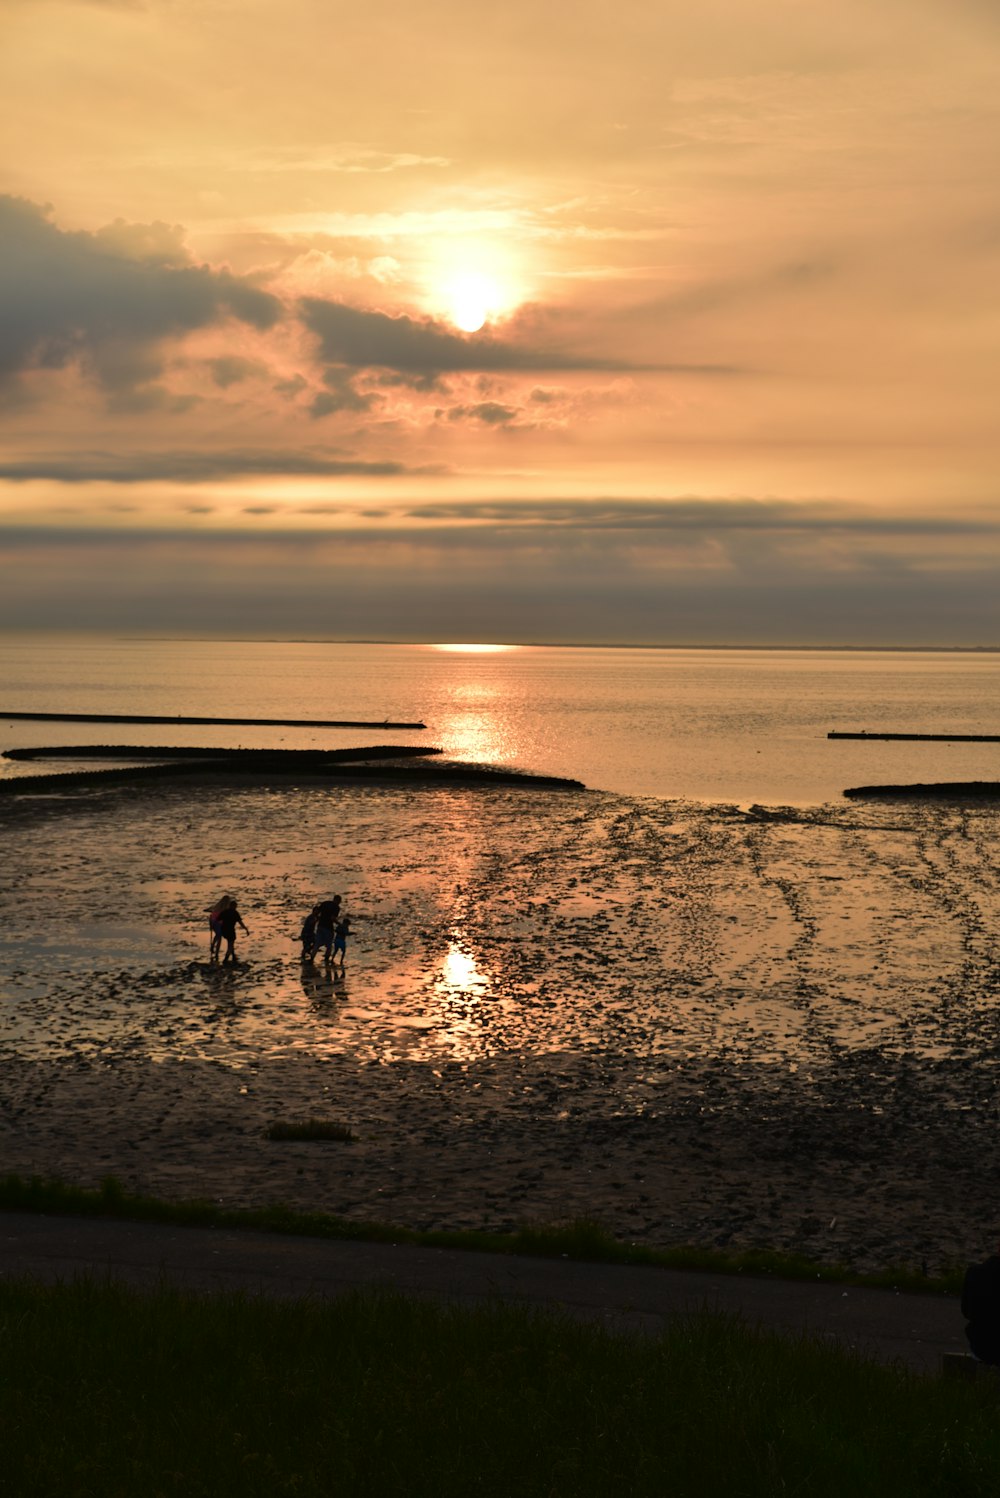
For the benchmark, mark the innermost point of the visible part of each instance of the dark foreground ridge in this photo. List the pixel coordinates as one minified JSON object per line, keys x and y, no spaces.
{"x":942,"y":790}
{"x":224,"y":722}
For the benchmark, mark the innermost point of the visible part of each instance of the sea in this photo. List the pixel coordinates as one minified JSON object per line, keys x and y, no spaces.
{"x":740,"y":726}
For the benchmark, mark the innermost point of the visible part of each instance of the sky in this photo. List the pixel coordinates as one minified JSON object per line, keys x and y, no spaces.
{"x":426,"y":319}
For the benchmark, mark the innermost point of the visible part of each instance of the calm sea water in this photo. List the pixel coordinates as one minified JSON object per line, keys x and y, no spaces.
{"x":710,"y":725}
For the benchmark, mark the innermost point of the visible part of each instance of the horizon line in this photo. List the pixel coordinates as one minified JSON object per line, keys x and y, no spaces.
{"x":880,"y":649}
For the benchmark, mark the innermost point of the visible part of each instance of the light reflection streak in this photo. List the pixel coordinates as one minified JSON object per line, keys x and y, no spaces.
{"x":459,"y":971}
{"x":470,"y":649}
{"x":471,"y":735}
{"x":461,"y":987}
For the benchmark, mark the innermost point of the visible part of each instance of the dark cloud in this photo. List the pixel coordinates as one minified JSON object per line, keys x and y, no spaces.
{"x":703,"y":516}
{"x":97,"y":300}
{"x":191,"y":467}
{"x":140,"y":398}
{"x":425,"y":348}
{"x":490,"y":412}
{"x":156,"y":243}
{"x":232,"y":370}
{"x":340,"y":394}
{"x":487,"y":585}
{"x":424,"y":383}
{"x":291,"y":388}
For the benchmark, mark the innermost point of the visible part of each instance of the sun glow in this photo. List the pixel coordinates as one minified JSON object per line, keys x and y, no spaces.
{"x":474,"y":283}
{"x":474,"y":299}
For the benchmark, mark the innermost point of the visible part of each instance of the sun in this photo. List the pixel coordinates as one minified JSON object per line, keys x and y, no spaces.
{"x":473,"y":298}
{"x":471,"y":283}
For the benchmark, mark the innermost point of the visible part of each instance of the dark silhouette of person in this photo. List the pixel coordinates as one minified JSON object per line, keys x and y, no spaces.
{"x":307,"y":935}
{"x":342,"y":931}
{"x":229,"y":919}
{"x":214,"y":913}
{"x":981,"y":1309}
{"x":326,"y":924}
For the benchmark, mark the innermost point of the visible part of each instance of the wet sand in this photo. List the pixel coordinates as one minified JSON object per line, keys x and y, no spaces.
{"x":695,"y":1024}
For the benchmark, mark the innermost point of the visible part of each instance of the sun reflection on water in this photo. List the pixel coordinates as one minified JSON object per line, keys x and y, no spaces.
{"x":459,"y":971}
{"x":476,"y":702}
{"x":470,"y":649}
{"x":472,"y":735}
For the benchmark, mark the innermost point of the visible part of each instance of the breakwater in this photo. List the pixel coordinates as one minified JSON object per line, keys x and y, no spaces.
{"x":20,"y":717}
{"x":929,"y":738}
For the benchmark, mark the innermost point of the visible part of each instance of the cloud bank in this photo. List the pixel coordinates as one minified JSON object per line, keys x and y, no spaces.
{"x":760,"y":574}
{"x":425,"y":348}
{"x":107,"y":301}
{"x":199,"y":466}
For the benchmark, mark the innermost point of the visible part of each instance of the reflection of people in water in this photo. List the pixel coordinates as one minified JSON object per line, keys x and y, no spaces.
{"x":318,"y":986}
{"x":214,"y":913}
{"x":229,"y":919}
{"x":222,"y":986}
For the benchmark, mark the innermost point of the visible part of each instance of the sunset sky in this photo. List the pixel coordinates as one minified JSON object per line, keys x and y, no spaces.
{"x":657,"y":322}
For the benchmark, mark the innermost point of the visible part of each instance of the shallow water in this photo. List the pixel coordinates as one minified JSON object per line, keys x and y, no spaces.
{"x":692,"y":1023}
{"x":488,"y":922}
{"x":721,"y":726}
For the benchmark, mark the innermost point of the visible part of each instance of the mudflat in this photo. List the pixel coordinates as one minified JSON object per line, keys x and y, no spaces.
{"x":744,"y":1027}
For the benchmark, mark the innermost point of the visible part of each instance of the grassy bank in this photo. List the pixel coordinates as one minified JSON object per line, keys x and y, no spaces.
{"x":582,"y":1240}
{"x":106,"y":1390}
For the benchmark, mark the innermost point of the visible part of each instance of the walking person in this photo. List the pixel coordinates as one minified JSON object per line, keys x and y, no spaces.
{"x":215,"y":913}
{"x":342,"y":931}
{"x":326,"y":924}
{"x":229,"y":919}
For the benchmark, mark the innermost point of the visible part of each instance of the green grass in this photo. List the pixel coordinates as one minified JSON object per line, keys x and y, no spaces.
{"x":582,"y":1240}
{"x":112,"y":1392}
{"x":311,"y":1128}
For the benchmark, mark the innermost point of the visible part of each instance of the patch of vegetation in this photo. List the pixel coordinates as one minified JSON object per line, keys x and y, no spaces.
{"x":581,"y":1240}
{"x":107,"y":1390}
{"x":311,"y":1128}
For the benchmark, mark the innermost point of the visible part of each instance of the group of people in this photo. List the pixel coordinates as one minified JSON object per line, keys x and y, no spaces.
{"x":325,"y":929}
{"x":223,"y":918}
